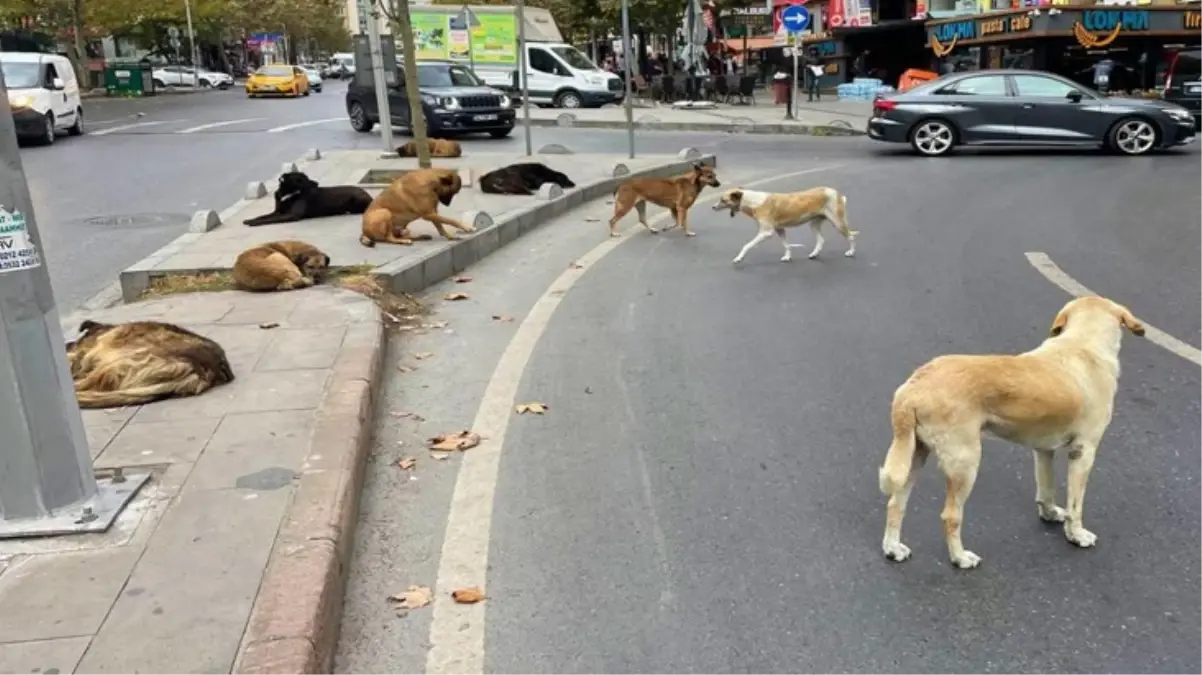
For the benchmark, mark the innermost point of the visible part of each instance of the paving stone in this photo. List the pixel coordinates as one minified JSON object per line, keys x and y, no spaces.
{"x":247,"y":444}
{"x":102,"y":426}
{"x":250,"y":392}
{"x":295,"y":349}
{"x":260,"y":308}
{"x":43,"y":656}
{"x":150,"y":443}
{"x":243,"y":344}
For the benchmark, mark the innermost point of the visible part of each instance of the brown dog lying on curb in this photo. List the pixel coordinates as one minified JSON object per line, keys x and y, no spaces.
{"x":439,"y":147}
{"x":116,"y":365}
{"x":412,"y":196}
{"x":280,"y":266}
{"x":675,"y":194}
{"x":1059,"y":395}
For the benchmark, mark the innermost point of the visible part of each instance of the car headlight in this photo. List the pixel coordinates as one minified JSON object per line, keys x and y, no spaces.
{"x":449,"y":102}
{"x":505,"y":102}
{"x":20,"y":102}
{"x":1180,"y":114}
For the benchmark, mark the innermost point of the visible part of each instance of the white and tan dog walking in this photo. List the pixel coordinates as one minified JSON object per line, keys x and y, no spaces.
{"x":776,"y":212}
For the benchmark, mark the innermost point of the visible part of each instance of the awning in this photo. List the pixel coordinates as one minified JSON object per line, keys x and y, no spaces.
{"x":753,"y":43}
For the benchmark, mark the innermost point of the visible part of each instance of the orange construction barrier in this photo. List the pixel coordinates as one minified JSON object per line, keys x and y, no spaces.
{"x":913,"y":77}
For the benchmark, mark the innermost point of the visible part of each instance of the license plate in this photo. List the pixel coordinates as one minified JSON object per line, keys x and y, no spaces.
{"x":485,"y":118}
{"x":1194,"y":88}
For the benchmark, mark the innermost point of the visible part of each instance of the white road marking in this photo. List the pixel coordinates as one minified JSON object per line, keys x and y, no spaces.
{"x":298,"y":125}
{"x":457,"y":631}
{"x":135,"y":125}
{"x":214,"y":125}
{"x":1044,"y":265}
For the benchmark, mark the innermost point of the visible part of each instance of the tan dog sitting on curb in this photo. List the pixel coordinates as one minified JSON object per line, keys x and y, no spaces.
{"x":1057,"y":396}
{"x":675,"y":194}
{"x":415,"y":195}
{"x":439,"y":147}
{"x":280,"y":266}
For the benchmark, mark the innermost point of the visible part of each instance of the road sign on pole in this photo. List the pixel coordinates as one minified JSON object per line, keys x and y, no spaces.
{"x":794,"y":19}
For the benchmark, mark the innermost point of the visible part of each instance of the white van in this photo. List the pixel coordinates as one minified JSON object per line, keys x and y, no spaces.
{"x":43,"y":95}
{"x":560,"y":75}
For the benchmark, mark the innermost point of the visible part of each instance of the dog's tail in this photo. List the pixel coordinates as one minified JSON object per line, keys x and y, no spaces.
{"x":898,"y":462}
{"x":132,"y":396}
{"x":843,"y":217}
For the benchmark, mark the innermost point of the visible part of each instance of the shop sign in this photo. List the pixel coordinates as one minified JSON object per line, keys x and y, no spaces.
{"x":1100,"y":27}
{"x":828,"y":48}
{"x":1015,"y":23}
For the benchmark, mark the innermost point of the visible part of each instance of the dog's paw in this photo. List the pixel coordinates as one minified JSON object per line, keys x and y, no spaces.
{"x":966,"y":560}
{"x":1050,"y":513}
{"x":469,"y":229}
{"x":736,"y":261}
{"x":812,"y":256}
{"x":653,"y":230}
{"x":615,"y":234}
{"x":850,"y":254}
{"x":1081,"y":537}
{"x":896,"y":551}
{"x":451,"y":237}
{"x":690,"y":234}
{"x":786,"y":258}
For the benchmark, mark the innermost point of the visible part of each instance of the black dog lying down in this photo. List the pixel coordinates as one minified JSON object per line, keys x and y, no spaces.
{"x":522,"y":179}
{"x":299,"y":198}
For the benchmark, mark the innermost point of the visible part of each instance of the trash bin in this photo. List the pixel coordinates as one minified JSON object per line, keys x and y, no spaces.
{"x":129,"y":78}
{"x":780,"y":88}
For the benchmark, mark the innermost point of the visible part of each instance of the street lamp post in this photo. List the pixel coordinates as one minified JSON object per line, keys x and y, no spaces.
{"x":522,"y":66}
{"x":192,"y":45}
{"x":627,"y":56}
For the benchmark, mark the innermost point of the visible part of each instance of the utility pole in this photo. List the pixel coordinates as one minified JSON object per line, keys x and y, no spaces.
{"x":46,"y":481}
{"x":192,"y":45}
{"x":627,"y":56}
{"x":417,"y":118}
{"x":377,"y":78}
{"x":522,"y":66}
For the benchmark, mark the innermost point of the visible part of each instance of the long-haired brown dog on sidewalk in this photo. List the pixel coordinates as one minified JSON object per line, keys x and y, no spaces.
{"x":439,"y":147}
{"x":1059,"y":395}
{"x":676,"y":194}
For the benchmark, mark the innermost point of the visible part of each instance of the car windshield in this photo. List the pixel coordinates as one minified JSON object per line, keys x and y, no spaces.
{"x":574,"y":58}
{"x":1186,"y":67}
{"x":20,"y":75}
{"x":274,"y":71}
{"x":445,"y":76}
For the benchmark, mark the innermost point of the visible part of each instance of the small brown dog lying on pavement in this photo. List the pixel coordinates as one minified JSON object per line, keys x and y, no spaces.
{"x":439,"y":147}
{"x":775,"y":212}
{"x":412,"y":196}
{"x":1059,"y":395}
{"x":117,"y":365}
{"x":675,"y":194}
{"x":280,"y":266}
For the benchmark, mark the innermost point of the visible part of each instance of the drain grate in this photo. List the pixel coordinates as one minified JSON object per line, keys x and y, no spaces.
{"x":139,"y":220}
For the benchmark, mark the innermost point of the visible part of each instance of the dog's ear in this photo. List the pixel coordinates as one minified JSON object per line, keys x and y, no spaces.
{"x":1127,"y":320}
{"x":1059,"y":322}
{"x":325,"y":259}
{"x":88,"y":325}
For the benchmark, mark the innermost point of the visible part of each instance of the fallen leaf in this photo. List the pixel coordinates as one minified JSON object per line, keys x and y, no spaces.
{"x":439,"y":454}
{"x":407,"y":463}
{"x":502,"y":318}
{"x":422,"y":356}
{"x":415,"y":597}
{"x":460,"y":440}
{"x":404,"y":369}
{"x":462,"y":280}
{"x":457,"y":296}
{"x":576,"y":266}
{"x":410,"y":415}
{"x":468,"y":596}
{"x":436,"y":324}
{"x":592,"y":220}
{"x":269,"y":326}
{"x":536,"y":408}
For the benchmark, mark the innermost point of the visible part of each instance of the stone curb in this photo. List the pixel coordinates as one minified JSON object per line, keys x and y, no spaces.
{"x":414,"y":276}
{"x":297,"y":613}
{"x":656,"y":125}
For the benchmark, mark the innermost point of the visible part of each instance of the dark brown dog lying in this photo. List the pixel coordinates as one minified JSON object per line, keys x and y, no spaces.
{"x":675,"y":194}
{"x":415,"y":195}
{"x":280,"y":266}
{"x":522,"y":179}
{"x":299,"y":198}
{"x":117,"y":365}
{"x":439,"y":147}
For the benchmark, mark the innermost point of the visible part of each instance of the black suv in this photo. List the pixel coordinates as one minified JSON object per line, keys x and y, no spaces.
{"x":1183,"y":85}
{"x":454,"y":102}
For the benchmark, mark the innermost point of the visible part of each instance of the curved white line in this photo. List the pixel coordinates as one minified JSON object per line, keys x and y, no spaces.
{"x":1050,"y":270}
{"x":135,"y":125}
{"x":298,"y":125}
{"x":214,"y":125}
{"x":457,"y":631}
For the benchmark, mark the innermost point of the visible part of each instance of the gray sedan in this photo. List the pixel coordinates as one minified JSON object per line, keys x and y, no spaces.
{"x":1023,"y":107}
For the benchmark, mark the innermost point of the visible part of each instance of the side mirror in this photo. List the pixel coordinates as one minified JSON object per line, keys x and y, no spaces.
{"x":1074,"y":96}
{"x":57,"y":84}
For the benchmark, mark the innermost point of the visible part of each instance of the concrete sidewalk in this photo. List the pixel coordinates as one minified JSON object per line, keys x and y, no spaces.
{"x":243,"y":514}
{"x":819,"y":118}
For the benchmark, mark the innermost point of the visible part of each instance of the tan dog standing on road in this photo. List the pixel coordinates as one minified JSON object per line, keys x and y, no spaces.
{"x":1059,"y":395}
{"x":414,"y":195}
{"x":675,"y":194}
{"x":776,"y":212}
{"x":439,"y":147}
{"x":280,"y":266}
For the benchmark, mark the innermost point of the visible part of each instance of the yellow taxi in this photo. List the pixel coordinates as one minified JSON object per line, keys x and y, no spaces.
{"x":278,"y":80}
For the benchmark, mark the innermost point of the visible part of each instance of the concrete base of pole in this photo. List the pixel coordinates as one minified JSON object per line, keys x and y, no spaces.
{"x":94,"y":515}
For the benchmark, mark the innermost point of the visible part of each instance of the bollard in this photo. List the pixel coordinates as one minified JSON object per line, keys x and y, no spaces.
{"x":689,"y":154}
{"x":288,"y":167}
{"x":478,"y":219}
{"x":204,"y":221}
{"x":554,"y":149}
{"x":620,"y":170}
{"x":549,"y":191}
{"x":313,"y":154}
{"x":256,"y":189}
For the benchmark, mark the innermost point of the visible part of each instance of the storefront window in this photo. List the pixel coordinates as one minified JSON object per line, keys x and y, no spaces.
{"x":1018,"y":58}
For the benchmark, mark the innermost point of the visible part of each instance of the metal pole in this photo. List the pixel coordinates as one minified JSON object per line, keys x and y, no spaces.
{"x":796,"y":73}
{"x":377,"y":78}
{"x":628,"y":57}
{"x":521,"y":19}
{"x":192,"y":44}
{"x":46,"y":481}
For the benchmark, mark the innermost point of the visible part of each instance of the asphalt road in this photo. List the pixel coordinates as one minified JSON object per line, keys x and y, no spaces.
{"x":131,"y":184}
{"x":702,"y":494}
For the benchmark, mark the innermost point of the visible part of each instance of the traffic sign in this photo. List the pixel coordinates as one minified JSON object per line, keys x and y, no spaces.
{"x":467,"y":17}
{"x":795,"y":18}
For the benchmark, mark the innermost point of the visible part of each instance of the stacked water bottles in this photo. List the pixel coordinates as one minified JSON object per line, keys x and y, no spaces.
{"x":863,"y":89}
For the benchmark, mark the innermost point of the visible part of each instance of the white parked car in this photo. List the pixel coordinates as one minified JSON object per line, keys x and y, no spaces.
{"x":43,"y":95}
{"x":314,"y":76}
{"x":186,"y":76}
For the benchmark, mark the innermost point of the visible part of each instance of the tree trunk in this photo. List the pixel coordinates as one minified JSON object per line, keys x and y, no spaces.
{"x":417,"y":119}
{"x":81,"y":53}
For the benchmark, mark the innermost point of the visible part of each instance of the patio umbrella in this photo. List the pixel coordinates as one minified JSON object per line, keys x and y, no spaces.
{"x":692,"y":38}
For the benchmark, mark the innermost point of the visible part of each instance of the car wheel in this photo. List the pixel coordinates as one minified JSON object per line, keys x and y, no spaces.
{"x":159,"y":84}
{"x":204,"y":84}
{"x":500,"y":133}
{"x":933,"y":138}
{"x":48,"y":135}
{"x":568,"y":99}
{"x":1133,"y":136}
{"x":77,"y":128}
{"x":359,"y":119}
{"x":306,"y":92}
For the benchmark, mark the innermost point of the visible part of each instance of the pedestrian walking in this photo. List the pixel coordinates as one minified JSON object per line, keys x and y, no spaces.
{"x":813,"y":75}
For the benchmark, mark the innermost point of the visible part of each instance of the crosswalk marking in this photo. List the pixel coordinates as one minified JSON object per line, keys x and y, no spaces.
{"x":298,"y":125}
{"x":214,"y":125}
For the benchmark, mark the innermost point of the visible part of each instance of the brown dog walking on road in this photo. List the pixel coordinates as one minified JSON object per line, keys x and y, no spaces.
{"x":439,"y":147}
{"x":415,"y":195}
{"x":1058,"y":396}
{"x":116,"y":365}
{"x":675,"y":194}
{"x":280,"y":266}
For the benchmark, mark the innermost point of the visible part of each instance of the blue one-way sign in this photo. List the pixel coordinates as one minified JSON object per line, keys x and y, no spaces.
{"x":795,"y":18}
